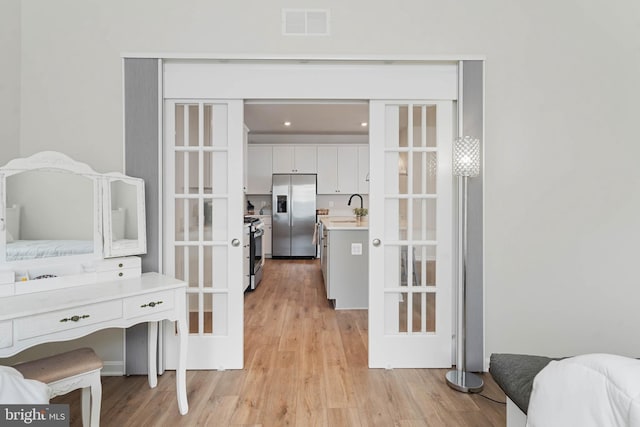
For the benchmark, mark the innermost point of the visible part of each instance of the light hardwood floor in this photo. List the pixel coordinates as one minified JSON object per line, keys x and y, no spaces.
{"x":305,"y":365}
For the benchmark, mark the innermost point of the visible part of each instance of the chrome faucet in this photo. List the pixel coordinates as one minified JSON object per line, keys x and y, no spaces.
{"x":354,"y":195}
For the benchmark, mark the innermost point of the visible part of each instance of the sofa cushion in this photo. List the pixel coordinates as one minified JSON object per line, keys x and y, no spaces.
{"x":514,"y":373}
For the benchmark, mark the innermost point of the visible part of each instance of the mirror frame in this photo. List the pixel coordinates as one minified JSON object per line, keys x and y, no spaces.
{"x":117,"y":248}
{"x":51,"y":161}
{"x":103,"y":247}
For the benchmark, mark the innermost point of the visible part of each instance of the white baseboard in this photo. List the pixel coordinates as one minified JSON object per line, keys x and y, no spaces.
{"x":112,"y":368}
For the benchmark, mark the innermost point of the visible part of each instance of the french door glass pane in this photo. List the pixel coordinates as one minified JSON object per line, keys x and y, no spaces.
{"x":424,"y":219}
{"x":193,"y":302}
{"x":218,"y":230}
{"x":194,"y":171}
{"x":215,"y":125}
{"x":411,"y":163}
{"x":201,"y":213}
{"x":425,"y":265}
{"x":215,"y":172}
{"x":181,"y":227}
{"x":410,"y":312}
{"x":180,"y":184}
{"x":187,"y":269}
{"x":179,"y":262}
{"x":193,"y":130}
{"x":186,"y":114}
{"x":187,"y":217}
{"x":187,"y":165}
{"x":179,"y":125}
{"x":424,"y":172}
{"x":208,"y":125}
{"x":207,"y":279}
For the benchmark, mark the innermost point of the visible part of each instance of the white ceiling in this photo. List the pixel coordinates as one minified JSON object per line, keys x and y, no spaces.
{"x":306,"y":117}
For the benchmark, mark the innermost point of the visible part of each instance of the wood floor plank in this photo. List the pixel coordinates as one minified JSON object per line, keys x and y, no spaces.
{"x":344,"y":417}
{"x":305,"y":365}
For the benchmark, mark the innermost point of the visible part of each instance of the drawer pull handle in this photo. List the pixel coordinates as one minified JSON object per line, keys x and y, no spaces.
{"x":120,"y":274}
{"x":74,"y":318}
{"x":151,"y":304}
{"x":120,"y":265}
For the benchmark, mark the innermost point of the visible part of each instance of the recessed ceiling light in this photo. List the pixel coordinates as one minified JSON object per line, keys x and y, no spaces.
{"x":364,"y":124}
{"x":287,"y":123}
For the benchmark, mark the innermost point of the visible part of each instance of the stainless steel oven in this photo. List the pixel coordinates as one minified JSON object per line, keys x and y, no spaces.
{"x":256,"y":250}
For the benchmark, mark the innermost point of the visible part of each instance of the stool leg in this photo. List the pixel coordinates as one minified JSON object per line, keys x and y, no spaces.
{"x":86,"y":399}
{"x":96,"y":400}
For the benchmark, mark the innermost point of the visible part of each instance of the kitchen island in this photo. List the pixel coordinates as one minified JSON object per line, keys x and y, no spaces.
{"x":344,"y":257}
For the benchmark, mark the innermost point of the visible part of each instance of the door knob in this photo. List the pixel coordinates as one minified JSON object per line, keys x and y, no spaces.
{"x":376,"y":242}
{"x":235,"y":242}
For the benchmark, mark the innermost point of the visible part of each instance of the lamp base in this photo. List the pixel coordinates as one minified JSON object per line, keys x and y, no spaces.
{"x":465,"y":382}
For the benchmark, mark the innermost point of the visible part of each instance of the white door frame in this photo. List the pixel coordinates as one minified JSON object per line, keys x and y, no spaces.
{"x":316,"y":77}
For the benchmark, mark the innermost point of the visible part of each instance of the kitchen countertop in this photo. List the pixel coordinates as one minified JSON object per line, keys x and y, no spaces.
{"x":344,"y":223}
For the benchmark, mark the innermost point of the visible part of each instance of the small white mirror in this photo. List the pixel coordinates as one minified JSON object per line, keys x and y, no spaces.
{"x":49,"y":214}
{"x":124,"y":215}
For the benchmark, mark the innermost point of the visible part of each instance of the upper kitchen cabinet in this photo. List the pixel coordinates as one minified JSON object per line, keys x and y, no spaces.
{"x":338,"y":169}
{"x":363,"y":169}
{"x":245,"y":157}
{"x":294,"y":159}
{"x":259,"y":169}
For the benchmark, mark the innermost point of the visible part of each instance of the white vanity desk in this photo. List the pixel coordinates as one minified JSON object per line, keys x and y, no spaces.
{"x":67,"y":234}
{"x":69,"y":313}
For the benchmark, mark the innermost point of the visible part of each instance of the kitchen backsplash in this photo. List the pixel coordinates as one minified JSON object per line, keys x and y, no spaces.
{"x":339,"y":202}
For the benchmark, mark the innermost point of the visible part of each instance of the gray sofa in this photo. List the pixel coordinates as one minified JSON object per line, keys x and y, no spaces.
{"x":514,"y":373}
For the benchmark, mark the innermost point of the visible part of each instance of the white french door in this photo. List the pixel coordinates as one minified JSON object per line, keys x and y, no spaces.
{"x":410,"y":232}
{"x":203,"y":227}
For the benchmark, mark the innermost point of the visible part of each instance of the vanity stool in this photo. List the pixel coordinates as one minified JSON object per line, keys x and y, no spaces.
{"x":67,"y":372}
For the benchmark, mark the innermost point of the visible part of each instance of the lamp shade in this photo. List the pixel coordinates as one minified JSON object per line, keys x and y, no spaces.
{"x":466,"y":156}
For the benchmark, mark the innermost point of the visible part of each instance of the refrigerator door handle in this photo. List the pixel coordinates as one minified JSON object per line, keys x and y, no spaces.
{"x":289,"y":206}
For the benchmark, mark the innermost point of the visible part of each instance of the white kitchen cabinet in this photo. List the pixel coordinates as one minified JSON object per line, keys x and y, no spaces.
{"x":363,"y":169}
{"x":259,"y":169}
{"x":294,"y":159}
{"x":246,"y":257}
{"x":266,"y":237}
{"x":245,"y":157}
{"x":327,"y":169}
{"x":337,"y":169}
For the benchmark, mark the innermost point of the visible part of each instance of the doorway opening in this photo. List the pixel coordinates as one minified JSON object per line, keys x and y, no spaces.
{"x":291,"y":311}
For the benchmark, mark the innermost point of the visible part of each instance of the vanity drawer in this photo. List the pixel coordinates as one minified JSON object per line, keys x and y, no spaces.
{"x":124,"y":273}
{"x":6,"y":334}
{"x":145,"y":304}
{"x":112,"y":264}
{"x":71,"y":318}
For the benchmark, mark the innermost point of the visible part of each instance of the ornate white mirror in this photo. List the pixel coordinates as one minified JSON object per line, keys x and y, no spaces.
{"x":124,"y":216}
{"x":60,"y":218}
{"x":51,"y":209}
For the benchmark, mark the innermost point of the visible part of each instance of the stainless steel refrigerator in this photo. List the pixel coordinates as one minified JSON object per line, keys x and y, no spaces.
{"x":293,"y":215}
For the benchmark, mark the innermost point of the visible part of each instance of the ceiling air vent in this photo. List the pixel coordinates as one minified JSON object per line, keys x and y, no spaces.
{"x":305,"y":22}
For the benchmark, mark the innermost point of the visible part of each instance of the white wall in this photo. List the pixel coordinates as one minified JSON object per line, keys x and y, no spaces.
{"x":9,"y":80}
{"x":561,"y":129}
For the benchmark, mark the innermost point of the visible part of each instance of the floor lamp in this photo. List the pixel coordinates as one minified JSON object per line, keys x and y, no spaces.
{"x":466,"y":164}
